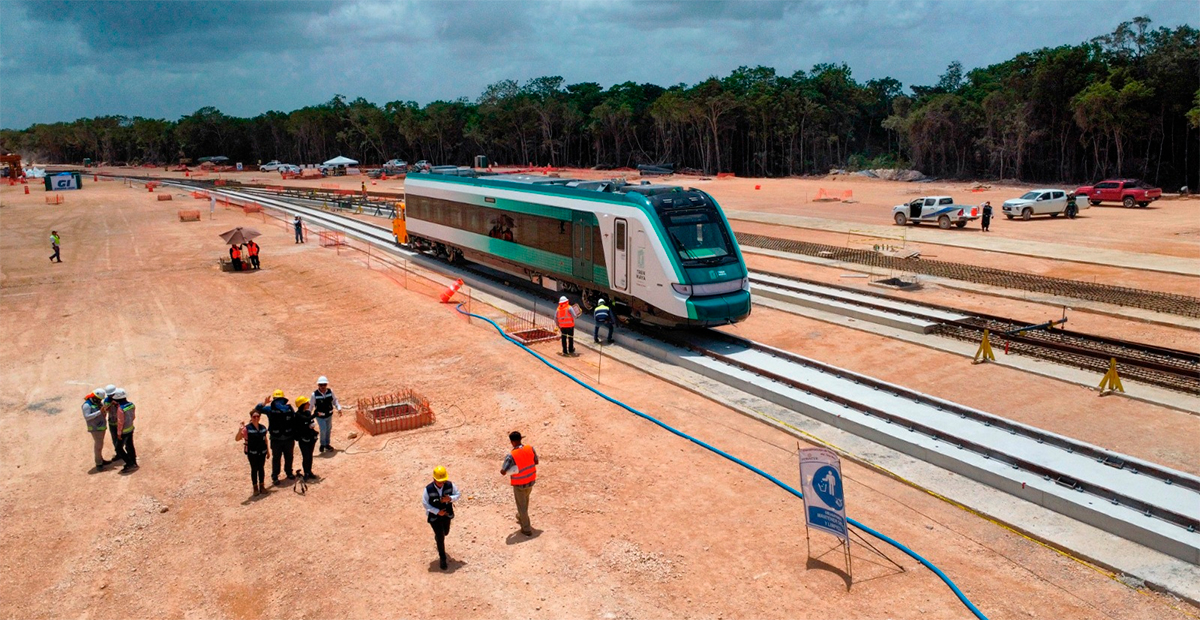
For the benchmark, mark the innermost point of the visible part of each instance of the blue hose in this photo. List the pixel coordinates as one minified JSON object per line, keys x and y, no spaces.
{"x":913,"y":554}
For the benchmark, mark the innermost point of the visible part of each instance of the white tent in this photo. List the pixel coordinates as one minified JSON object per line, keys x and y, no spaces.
{"x":340,"y":161}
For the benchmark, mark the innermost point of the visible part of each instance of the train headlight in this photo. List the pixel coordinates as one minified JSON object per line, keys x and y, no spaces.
{"x":746,"y":283}
{"x":682,"y":289}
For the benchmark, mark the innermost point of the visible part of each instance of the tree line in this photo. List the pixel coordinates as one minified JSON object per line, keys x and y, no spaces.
{"x":1123,"y":104}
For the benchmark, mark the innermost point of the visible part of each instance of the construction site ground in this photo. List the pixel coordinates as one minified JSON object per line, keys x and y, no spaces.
{"x":630,"y":521}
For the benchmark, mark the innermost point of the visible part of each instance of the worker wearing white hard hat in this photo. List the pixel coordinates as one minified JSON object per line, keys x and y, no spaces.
{"x":604,"y":318}
{"x":126,"y":413}
{"x":93,"y":415}
{"x":325,"y":402}
{"x":110,"y":412}
{"x":564,"y":317}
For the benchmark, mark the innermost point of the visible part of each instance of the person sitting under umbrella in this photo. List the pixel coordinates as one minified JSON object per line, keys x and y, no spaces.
{"x":236,"y":238}
{"x":235,"y":257}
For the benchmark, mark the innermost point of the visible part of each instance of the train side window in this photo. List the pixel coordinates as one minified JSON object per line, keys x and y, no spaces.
{"x":620,"y":234}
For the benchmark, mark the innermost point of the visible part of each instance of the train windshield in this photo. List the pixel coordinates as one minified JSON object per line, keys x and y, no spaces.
{"x":699,"y":236}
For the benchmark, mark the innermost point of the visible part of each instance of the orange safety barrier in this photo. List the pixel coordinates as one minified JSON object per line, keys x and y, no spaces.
{"x":823,"y":195}
{"x":56,"y":199}
{"x":162,"y":197}
{"x":331,"y":238}
{"x":219,"y":182}
{"x":451,"y":291}
{"x":200,"y":195}
{"x":847,"y":195}
{"x":26,"y":189}
{"x":251,"y":208}
{"x":725,"y":175}
{"x":189,"y":216}
{"x":150,"y":185}
{"x":402,"y":411}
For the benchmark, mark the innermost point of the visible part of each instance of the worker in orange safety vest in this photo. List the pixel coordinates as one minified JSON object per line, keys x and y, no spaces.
{"x":252,"y":250}
{"x":235,"y":257}
{"x":565,"y":318}
{"x":521,"y":467}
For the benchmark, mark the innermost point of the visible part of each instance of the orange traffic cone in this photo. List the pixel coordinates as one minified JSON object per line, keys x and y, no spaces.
{"x":26,"y":189}
{"x":448,"y":293}
{"x":95,"y":178}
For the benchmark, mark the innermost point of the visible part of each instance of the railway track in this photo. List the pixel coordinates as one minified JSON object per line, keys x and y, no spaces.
{"x":1169,"y":303}
{"x":1135,"y":499}
{"x":1161,"y":366}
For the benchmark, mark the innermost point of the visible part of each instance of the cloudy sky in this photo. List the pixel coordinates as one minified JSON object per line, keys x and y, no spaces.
{"x":64,"y":60}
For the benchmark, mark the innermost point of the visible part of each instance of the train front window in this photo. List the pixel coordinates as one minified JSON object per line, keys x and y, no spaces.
{"x":699,"y":236}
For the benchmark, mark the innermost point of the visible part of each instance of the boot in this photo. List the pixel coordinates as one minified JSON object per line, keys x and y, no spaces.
{"x":256,"y":491}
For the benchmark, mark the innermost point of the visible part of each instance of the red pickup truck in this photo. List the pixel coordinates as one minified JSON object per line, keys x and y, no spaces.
{"x":1125,"y":191}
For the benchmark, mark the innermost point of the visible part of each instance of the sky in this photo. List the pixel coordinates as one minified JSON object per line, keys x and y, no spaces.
{"x":60,"y":61}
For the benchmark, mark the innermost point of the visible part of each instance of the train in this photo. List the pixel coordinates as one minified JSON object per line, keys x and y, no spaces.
{"x":662,"y":255}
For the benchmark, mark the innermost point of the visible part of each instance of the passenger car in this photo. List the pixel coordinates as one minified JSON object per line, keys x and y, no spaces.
{"x":270,"y":166}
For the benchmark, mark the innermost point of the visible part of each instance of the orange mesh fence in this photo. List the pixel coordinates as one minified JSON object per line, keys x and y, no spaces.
{"x":401,"y":411}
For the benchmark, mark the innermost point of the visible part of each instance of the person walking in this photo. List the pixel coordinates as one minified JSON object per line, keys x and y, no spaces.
{"x":987,"y":215}
{"x":521,"y":467}
{"x":564,"y":316}
{"x":324,"y":402}
{"x":281,"y":417}
{"x":305,"y":432}
{"x":235,"y":257}
{"x":604,"y":316}
{"x":93,"y":415}
{"x":126,"y":413}
{"x":255,"y":435}
{"x":252,"y":252}
{"x":438,"y":499}
{"x":110,"y":412}
{"x":54,"y":242}
{"x":299,"y":226}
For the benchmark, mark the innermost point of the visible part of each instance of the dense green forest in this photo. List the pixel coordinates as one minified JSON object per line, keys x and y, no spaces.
{"x":1122,"y":104}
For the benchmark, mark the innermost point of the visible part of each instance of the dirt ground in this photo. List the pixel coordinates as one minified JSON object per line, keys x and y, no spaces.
{"x":630,"y":521}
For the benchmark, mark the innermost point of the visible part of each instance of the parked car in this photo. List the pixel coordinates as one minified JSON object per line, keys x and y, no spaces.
{"x":270,"y":166}
{"x":398,"y":165}
{"x":1128,"y":192}
{"x":1052,"y":202}
{"x":940,"y":209}
{"x":290,"y":168}
{"x":421,"y":166}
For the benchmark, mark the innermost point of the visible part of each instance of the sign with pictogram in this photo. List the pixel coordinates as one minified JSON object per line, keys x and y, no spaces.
{"x":824,"y":497}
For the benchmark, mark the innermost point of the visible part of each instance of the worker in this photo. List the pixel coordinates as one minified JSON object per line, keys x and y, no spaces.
{"x":521,"y":467}
{"x":281,"y":417}
{"x":299,"y":226}
{"x":987,"y":216}
{"x":305,"y":432}
{"x":604,"y":316}
{"x":564,"y":316}
{"x":255,"y":435}
{"x":126,"y":413}
{"x":110,"y":412}
{"x":324,"y":403}
{"x":1072,"y":207}
{"x":252,"y":251}
{"x":93,"y":415}
{"x":438,"y":500}
{"x":235,"y":257}
{"x":54,"y":242}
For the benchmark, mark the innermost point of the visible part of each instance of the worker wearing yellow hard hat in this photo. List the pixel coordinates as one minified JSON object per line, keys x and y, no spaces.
{"x":305,"y":432}
{"x":281,"y":429}
{"x":438,"y":500}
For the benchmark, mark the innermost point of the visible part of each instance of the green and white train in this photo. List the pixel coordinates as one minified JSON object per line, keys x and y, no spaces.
{"x":664,"y":255}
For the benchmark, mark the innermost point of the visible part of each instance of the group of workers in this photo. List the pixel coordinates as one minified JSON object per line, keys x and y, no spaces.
{"x":251,"y":253}
{"x":109,"y":407}
{"x":565,"y":315}
{"x":309,"y":421}
{"x":520,"y":465}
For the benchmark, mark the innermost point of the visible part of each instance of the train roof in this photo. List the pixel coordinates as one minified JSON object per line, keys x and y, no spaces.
{"x":613,"y":190}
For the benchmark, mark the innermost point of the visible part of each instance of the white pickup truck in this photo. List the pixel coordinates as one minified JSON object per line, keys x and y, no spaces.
{"x":1052,"y":202}
{"x":940,"y":209}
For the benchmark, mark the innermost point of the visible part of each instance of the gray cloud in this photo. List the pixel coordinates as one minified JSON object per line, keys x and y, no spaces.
{"x":64,"y":60}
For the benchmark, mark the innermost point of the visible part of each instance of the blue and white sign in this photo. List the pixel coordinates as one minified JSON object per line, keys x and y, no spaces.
{"x":65,"y":180}
{"x":824,"y":497}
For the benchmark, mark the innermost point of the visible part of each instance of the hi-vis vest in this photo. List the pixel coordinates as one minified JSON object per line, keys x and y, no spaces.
{"x":234,"y":252}
{"x":526,"y":470}
{"x":252,"y":248}
{"x":93,"y":414}
{"x":129,"y":412}
{"x":563,"y":316}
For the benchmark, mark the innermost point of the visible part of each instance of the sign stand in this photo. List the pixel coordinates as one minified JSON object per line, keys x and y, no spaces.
{"x":824,"y":499}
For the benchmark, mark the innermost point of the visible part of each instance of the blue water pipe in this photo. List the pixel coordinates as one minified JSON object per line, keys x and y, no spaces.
{"x":913,"y":554}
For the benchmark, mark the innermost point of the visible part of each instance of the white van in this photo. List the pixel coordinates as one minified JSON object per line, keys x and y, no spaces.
{"x":1052,"y":202}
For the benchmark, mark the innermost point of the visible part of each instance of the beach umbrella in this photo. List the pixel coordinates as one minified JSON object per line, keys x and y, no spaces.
{"x":239,"y":235}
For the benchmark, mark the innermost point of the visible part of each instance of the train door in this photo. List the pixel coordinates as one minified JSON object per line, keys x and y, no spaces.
{"x":581,"y":246}
{"x":620,"y":269}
